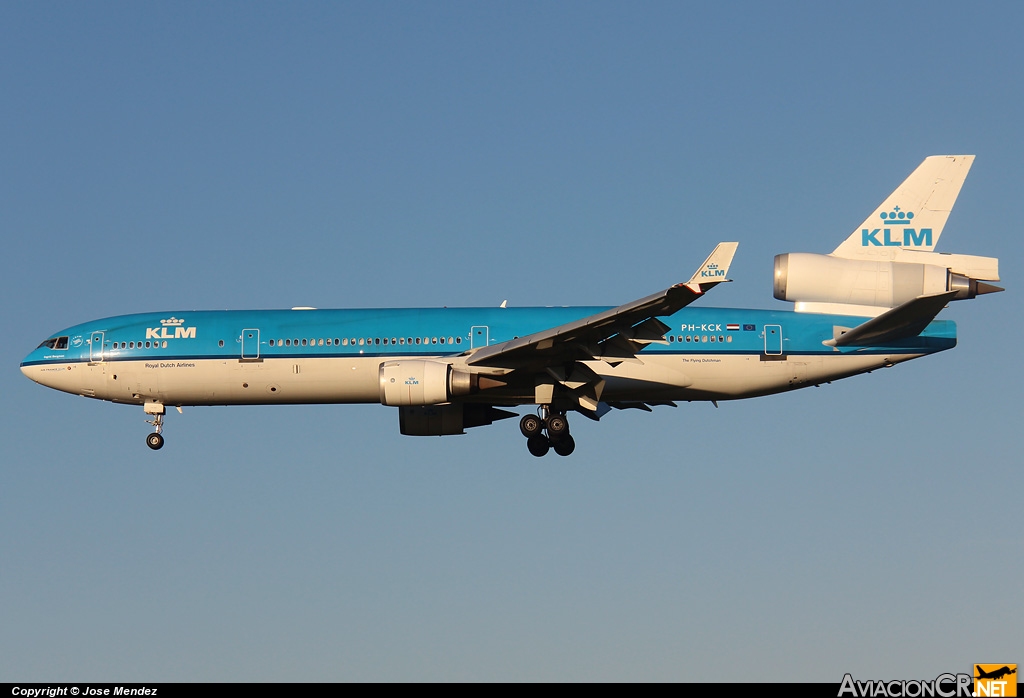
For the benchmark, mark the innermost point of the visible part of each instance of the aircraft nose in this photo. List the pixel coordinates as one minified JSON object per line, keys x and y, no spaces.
{"x":30,"y":370}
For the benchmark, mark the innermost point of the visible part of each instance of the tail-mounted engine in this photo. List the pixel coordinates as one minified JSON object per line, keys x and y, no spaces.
{"x":816,"y":278}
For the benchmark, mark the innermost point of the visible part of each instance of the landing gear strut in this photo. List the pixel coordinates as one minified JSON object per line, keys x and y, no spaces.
{"x":557,"y":438}
{"x":155,"y":440}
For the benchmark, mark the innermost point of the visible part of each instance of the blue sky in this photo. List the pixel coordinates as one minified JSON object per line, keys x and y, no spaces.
{"x":170,"y":156}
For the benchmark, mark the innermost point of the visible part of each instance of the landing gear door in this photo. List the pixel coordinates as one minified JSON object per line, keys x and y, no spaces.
{"x":773,"y":340}
{"x":96,"y":348}
{"x":478,"y":336}
{"x":250,"y":344}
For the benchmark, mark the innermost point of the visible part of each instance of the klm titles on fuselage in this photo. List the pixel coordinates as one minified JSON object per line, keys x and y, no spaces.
{"x":911,"y":237}
{"x":164,"y":331}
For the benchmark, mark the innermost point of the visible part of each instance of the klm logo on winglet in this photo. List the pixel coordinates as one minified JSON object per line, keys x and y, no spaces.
{"x":165,"y":332}
{"x":712,"y":272}
{"x":911,"y":237}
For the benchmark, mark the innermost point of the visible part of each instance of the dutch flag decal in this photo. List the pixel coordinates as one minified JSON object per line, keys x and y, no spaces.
{"x":732,"y":327}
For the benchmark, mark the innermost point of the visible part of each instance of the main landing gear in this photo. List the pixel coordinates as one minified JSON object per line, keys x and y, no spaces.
{"x":557,"y":437}
{"x":155,"y":440}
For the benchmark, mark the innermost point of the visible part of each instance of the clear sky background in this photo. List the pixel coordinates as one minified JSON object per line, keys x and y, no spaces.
{"x":176,"y":156}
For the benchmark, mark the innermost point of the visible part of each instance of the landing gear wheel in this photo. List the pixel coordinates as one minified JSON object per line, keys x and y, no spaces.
{"x":531,"y":425}
{"x":565,"y":445}
{"x":155,"y":441}
{"x":558,"y":426}
{"x":538,"y":445}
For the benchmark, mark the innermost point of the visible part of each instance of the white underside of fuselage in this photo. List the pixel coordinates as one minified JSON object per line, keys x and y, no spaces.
{"x":356,"y":379}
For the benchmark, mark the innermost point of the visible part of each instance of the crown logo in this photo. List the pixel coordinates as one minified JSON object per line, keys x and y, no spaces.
{"x":172,"y":322}
{"x":897,"y":216}
{"x":712,"y":266}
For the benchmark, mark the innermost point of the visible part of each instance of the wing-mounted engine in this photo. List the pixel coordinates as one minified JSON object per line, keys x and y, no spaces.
{"x":425,"y":382}
{"x":447,"y":420}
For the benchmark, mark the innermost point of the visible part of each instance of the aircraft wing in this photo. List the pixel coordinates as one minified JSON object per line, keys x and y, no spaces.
{"x":612,"y":336}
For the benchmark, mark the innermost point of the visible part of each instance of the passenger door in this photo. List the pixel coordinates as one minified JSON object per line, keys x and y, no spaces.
{"x":773,"y":340}
{"x":478,"y":336}
{"x":250,"y":344}
{"x":96,"y":348}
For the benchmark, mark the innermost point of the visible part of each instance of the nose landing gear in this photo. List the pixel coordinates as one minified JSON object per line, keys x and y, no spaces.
{"x":155,"y":440}
{"x":557,"y":438}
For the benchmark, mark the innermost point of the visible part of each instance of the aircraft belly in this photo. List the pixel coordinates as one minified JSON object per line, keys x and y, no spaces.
{"x":276,"y":381}
{"x":233,"y":382}
{"x":732,"y":376}
{"x":356,"y":379}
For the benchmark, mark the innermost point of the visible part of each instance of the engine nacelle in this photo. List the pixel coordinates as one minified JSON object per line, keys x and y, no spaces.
{"x":418,"y":382}
{"x":445,"y":420}
{"x":820,"y":278}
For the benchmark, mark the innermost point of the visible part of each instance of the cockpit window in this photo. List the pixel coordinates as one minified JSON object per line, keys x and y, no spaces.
{"x":55,"y":343}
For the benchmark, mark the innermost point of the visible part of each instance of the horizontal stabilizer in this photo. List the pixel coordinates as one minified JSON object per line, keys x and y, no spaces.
{"x":907,"y":320}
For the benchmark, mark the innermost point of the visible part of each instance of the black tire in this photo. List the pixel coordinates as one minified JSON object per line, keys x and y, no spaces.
{"x":155,"y":441}
{"x":565,"y":445}
{"x":558,"y":426}
{"x":531,"y":425}
{"x":538,"y":445}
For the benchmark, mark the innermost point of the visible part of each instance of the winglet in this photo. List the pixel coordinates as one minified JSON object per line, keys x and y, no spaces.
{"x":714,"y":268}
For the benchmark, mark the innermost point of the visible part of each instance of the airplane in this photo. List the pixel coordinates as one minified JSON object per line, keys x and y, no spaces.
{"x":996,"y":674}
{"x":869,"y":304}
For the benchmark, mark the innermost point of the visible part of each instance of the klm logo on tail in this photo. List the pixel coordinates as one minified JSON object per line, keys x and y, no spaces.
{"x":712,"y":272}
{"x":911,"y":237}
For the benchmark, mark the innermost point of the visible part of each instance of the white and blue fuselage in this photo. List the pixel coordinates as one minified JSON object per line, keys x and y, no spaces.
{"x":334,"y":356}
